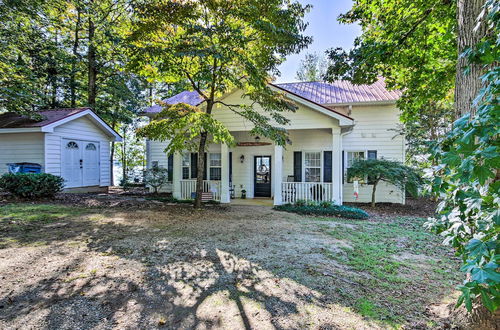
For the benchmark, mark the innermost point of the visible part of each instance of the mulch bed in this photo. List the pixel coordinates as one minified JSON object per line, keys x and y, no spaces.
{"x":418,"y":207}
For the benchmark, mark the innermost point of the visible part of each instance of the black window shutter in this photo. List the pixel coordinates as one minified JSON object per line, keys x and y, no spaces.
{"x":343,"y":166}
{"x":205,"y":169}
{"x":170,"y":167}
{"x":327,"y":166}
{"x":230,"y":166}
{"x":194,"y":165}
{"x":297,"y":166}
{"x":372,"y":154}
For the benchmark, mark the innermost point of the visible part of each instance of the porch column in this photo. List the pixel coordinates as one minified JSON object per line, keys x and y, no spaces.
{"x":224,"y":182}
{"x":177,"y":176}
{"x":278,"y":174}
{"x":337,"y":165}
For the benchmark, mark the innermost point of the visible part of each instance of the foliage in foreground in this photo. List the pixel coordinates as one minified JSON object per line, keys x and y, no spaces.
{"x":31,"y":185}
{"x":392,"y":172}
{"x":467,"y":180}
{"x":323,"y":208}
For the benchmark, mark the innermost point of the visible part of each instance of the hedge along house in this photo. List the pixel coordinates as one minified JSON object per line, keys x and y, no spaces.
{"x":335,"y":124}
{"x":71,"y":143}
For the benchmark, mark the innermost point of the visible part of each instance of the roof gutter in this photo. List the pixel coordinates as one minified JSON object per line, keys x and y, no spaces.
{"x":361,"y":103}
{"x":21,"y":130}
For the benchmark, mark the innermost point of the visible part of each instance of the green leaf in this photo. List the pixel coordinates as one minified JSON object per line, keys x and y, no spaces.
{"x":488,"y":303}
{"x":482,"y":173}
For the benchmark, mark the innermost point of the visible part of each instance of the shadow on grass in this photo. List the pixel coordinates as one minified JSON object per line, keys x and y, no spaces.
{"x":165,"y":274}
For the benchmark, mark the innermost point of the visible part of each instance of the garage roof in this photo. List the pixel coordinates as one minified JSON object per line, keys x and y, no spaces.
{"x":12,"y":122}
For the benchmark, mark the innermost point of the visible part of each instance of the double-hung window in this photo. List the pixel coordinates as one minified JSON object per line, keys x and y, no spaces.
{"x":215,"y":166}
{"x":186,"y":166}
{"x":353,"y":156}
{"x":312,"y":166}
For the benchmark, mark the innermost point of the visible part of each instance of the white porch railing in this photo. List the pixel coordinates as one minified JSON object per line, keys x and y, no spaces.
{"x":188,"y":187}
{"x":307,"y":191}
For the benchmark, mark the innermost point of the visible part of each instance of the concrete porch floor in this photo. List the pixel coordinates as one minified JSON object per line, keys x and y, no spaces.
{"x":253,"y":201}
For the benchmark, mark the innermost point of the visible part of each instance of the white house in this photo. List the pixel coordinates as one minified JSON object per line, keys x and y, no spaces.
{"x":335,"y":123}
{"x":72,"y":143}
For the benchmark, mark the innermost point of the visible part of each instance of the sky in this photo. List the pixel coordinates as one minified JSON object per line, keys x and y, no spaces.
{"x":326,"y":33}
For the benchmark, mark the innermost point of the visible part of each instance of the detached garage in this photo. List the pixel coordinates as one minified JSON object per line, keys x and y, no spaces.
{"x":72,"y":143}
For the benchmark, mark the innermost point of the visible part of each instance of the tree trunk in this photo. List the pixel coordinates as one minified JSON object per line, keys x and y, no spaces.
{"x":124,"y":157}
{"x":92,"y":66}
{"x":112,"y":153}
{"x":111,"y":163}
{"x":374,"y":192}
{"x":200,"y":169}
{"x":76,"y":42}
{"x":467,"y":85}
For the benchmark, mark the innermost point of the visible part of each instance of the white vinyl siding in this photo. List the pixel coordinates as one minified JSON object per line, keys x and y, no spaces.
{"x":375,"y":129}
{"x":303,"y":118}
{"x":21,"y":147}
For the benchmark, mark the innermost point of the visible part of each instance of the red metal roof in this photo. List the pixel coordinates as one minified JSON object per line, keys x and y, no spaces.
{"x":14,"y":120}
{"x":321,"y":93}
{"x":341,"y":91}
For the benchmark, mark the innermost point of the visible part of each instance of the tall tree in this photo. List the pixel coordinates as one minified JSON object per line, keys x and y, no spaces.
{"x":312,"y":68}
{"x":217,"y":46}
{"x":412,"y":44}
{"x":409,"y":43}
{"x":471,"y":30}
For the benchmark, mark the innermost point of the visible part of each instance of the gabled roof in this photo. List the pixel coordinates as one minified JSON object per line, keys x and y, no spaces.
{"x":315,"y":94}
{"x":11,"y":122}
{"x":341,"y":92}
{"x":14,"y":120}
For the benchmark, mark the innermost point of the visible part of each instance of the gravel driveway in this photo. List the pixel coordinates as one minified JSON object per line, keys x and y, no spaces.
{"x":173,"y":267}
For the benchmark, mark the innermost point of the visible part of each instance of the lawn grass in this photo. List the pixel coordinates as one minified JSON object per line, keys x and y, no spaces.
{"x":394,"y":261}
{"x":24,"y":217}
{"x":384,"y":269}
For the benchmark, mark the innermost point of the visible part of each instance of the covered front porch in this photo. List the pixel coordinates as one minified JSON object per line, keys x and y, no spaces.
{"x":309,"y":169}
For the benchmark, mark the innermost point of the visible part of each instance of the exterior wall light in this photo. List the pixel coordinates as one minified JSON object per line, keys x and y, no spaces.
{"x":242,"y":158}
{"x":257,"y":139}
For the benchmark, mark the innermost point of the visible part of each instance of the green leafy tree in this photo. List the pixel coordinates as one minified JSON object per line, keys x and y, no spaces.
{"x":377,"y":170}
{"x":217,"y":46}
{"x":467,"y":177}
{"x":312,"y":68}
{"x":413,"y":45}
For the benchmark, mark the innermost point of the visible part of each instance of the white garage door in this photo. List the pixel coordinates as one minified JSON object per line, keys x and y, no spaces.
{"x":80,"y":163}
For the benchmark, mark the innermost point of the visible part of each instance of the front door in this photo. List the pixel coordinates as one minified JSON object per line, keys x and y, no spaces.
{"x":262,"y":175}
{"x":80,"y":163}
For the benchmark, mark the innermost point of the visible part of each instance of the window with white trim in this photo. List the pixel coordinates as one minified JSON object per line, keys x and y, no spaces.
{"x":214,"y":163}
{"x":353,"y":156}
{"x":312,"y":166}
{"x":186,"y":166}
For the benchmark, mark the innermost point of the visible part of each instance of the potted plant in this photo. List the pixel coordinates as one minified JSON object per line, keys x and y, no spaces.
{"x":243,"y":194}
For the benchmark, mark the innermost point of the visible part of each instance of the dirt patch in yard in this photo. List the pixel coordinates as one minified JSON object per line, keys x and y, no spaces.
{"x":417,"y":207}
{"x":64,"y":266}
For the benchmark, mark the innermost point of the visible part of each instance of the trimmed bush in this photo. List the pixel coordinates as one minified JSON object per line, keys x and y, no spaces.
{"x":324,"y":209}
{"x":31,"y":185}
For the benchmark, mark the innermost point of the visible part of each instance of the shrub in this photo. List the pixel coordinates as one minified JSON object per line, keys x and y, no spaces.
{"x":156,"y":177}
{"x":377,"y":170}
{"x":323,"y":208}
{"x":31,"y":185}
